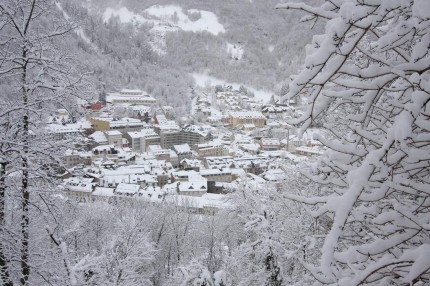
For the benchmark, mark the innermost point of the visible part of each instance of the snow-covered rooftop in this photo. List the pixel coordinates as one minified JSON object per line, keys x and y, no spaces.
{"x":127,"y":189}
{"x":144,"y":133}
{"x":202,"y":130}
{"x":113,"y":133}
{"x":182,"y":149}
{"x":247,"y":114}
{"x":99,"y":137}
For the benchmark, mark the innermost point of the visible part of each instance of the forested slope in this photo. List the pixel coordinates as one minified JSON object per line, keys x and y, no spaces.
{"x":121,"y":53}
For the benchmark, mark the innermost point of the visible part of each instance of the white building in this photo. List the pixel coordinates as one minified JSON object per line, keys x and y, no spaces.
{"x":114,"y":137}
{"x":127,"y":190}
{"x":193,"y":188}
{"x":270,"y":144}
{"x":131,"y":97}
{"x":140,"y":140}
{"x":217,"y":175}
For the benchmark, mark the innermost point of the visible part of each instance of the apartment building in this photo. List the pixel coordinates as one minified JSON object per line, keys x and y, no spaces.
{"x":120,"y":124}
{"x":193,"y":135}
{"x":169,"y":138}
{"x":211,"y":149}
{"x":270,"y":144}
{"x":238,"y":119}
{"x":140,"y":140}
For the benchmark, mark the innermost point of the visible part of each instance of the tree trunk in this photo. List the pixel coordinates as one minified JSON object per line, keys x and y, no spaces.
{"x":25,"y":269}
{"x":4,"y":272}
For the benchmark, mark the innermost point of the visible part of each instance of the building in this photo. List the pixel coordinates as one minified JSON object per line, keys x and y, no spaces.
{"x":95,"y":106}
{"x":140,"y":140}
{"x":99,"y":138}
{"x":120,"y":124}
{"x":277,"y":110}
{"x":210,"y":149}
{"x":251,"y":164}
{"x":64,"y":131}
{"x":193,"y":135}
{"x":160,"y":119}
{"x":73,"y":158}
{"x":134,"y":139}
{"x":79,"y":189}
{"x":270,"y":144}
{"x":126,"y":190}
{"x":171,"y":134}
{"x":308,"y":151}
{"x":131,"y":97}
{"x":103,"y":194}
{"x":136,"y":111}
{"x":106,"y":152}
{"x":191,"y":164}
{"x":183,"y":176}
{"x":162,"y":177}
{"x":114,"y":137}
{"x":217,"y":175}
{"x":239,"y":118}
{"x":169,"y":138}
{"x":193,"y":188}
{"x":183,"y":151}
{"x":159,"y":152}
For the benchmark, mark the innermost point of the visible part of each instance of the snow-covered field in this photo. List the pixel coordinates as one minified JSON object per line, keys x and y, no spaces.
{"x":203,"y":80}
{"x":168,"y":18}
{"x":124,"y":15}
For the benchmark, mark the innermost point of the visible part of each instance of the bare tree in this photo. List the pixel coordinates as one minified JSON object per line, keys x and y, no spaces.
{"x":37,"y":77}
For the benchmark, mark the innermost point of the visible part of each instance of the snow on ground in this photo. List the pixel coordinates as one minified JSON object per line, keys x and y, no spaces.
{"x":271,"y":48}
{"x":124,"y":15}
{"x":215,"y":114}
{"x":175,"y":16}
{"x":203,"y":80}
{"x":235,"y":51}
{"x":169,"y":18}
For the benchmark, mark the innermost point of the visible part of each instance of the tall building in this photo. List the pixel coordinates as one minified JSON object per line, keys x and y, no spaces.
{"x":193,"y":135}
{"x":168,"y":138}
{"x":140,"y":140}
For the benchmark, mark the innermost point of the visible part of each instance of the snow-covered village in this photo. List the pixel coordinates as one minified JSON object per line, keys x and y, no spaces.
{"x":214,"y":143}
{"x":134,"y":150}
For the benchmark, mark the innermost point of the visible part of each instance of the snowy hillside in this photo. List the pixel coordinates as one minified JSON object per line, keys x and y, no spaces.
{"x":245,"y":43}
{"x":165,"y":19}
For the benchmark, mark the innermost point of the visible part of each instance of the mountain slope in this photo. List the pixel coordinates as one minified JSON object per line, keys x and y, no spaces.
{"x":156,"y":45}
